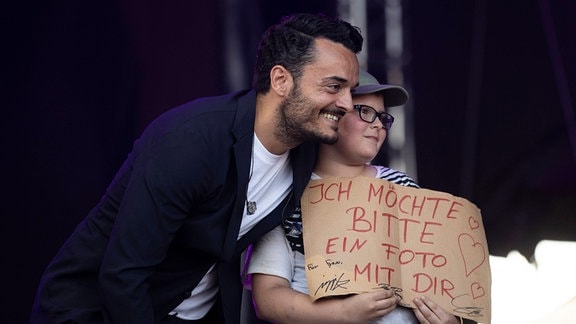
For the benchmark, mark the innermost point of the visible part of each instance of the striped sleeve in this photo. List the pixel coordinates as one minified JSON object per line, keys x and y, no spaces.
{"x":395,"y":176}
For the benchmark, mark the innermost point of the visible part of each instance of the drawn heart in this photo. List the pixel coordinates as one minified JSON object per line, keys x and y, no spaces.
{"x":477,"y":290}
{"x":469,"y":248}
{"x":473,"y":223}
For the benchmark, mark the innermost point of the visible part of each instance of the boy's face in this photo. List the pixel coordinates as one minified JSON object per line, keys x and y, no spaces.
{"x":360,"y":141}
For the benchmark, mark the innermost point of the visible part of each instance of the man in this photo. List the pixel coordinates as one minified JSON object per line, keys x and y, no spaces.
{"x":204,"y":181}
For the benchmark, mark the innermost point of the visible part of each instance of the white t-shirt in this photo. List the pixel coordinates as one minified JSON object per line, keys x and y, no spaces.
{"x":270,"y":182}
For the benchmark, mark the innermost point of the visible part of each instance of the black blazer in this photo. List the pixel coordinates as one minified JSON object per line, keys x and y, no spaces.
{"x":173,"y":209}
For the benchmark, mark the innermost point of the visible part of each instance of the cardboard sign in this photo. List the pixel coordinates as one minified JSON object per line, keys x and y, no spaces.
{"x":362,"y":234}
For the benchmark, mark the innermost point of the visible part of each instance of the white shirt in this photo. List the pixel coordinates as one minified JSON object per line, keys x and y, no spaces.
{"x":270,"y":182}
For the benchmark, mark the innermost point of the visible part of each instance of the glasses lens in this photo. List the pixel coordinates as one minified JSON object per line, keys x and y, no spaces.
{"x":367,"y":113}
{"x":386,"y":120}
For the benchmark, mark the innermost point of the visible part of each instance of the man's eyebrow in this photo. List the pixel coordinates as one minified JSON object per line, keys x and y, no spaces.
{"x":335,"y":78}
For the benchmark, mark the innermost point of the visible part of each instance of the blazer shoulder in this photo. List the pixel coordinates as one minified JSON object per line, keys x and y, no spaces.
{"x":207,"y":112}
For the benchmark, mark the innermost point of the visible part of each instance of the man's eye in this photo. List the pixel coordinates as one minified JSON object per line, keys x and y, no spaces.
{"x":334,"y":87}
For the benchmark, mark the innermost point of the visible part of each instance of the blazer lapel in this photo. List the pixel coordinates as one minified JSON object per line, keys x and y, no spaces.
{"x":243,"y":131}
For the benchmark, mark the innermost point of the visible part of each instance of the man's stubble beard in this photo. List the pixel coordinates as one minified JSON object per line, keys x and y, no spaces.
{"x":294,"y":126}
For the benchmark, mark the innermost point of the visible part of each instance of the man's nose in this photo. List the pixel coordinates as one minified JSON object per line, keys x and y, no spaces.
{"x":345,"y":101}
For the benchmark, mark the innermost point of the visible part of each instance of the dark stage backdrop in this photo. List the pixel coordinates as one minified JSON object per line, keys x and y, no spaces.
{"x":493,"y":86}
{"x":494,"y":90}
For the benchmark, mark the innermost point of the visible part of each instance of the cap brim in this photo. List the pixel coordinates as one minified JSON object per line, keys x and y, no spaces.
{"x":393,"y":95}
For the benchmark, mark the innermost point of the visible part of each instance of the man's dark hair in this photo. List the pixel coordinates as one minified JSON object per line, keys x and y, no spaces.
{"x":291,"y":44}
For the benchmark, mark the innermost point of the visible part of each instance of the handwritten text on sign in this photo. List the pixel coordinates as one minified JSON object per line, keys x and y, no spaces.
{"x":363,"y":233}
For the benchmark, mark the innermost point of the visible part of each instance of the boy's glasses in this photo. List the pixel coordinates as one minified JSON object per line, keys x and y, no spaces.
{"x":369,"y":115}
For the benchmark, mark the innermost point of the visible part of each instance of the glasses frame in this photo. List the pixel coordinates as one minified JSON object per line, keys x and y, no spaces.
{"x":385,"y":118}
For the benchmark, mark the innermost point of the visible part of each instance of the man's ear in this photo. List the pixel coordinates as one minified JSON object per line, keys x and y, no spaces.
{"x":280,"y":80}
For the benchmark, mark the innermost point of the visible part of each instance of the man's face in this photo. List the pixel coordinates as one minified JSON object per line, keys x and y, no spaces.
{"x":320,"y":97}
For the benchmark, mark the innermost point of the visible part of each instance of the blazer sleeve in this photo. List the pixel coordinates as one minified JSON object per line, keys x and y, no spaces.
{"x":168,"y":175}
